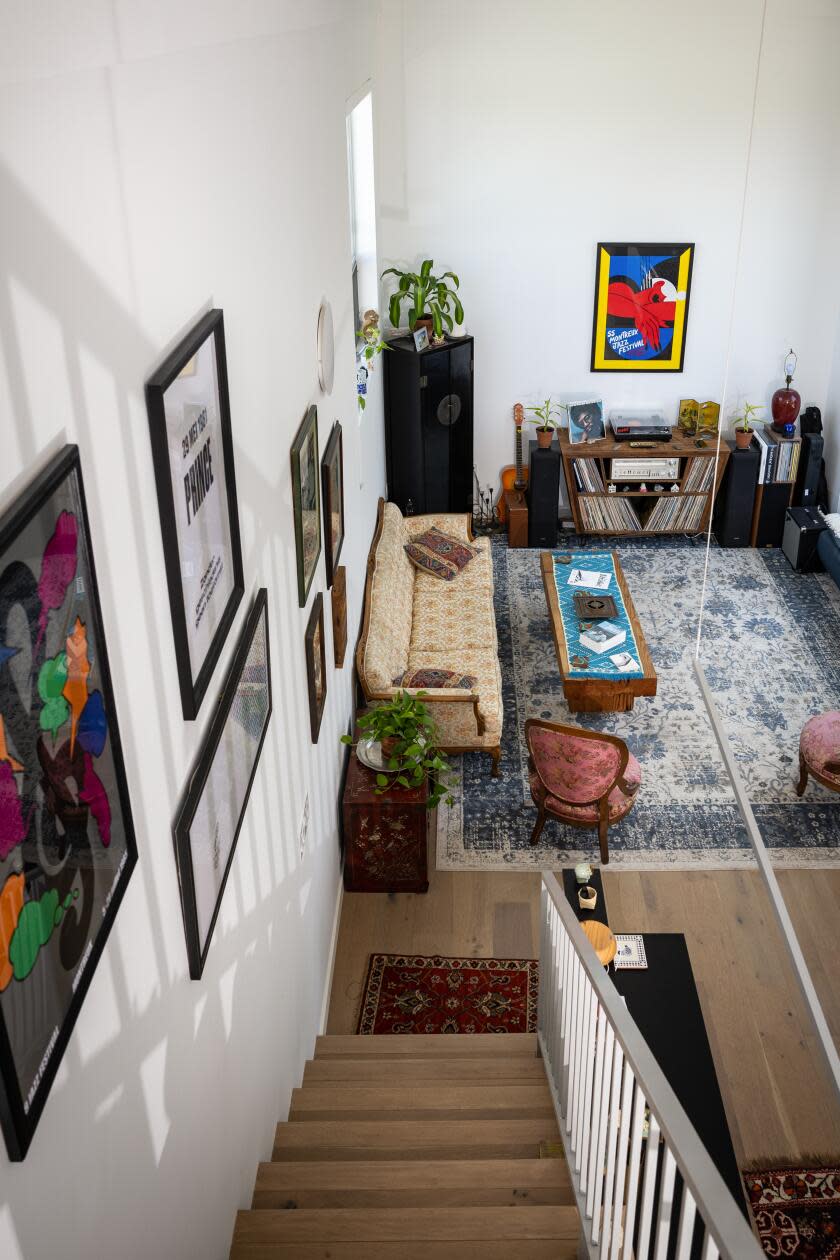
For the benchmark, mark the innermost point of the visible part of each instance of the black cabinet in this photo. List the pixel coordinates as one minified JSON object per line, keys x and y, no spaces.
{"x":429,"y":425}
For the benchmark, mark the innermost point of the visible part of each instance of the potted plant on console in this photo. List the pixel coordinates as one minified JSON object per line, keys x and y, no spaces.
{"x":546,"y":417}
{"x":744,"y":425}
{"x":433,"y":300}
{"x":407,"y":735}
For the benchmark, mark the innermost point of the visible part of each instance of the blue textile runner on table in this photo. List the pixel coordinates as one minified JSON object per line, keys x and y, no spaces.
{"x":600,"y":664}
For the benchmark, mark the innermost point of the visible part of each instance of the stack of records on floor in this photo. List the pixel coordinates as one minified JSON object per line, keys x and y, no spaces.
{"x":680,"y":514}
{"x":779,"y":456}
{"x":609,"y":515}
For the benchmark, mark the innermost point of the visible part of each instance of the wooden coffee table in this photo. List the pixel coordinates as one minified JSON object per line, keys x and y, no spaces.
{"x":597,"y":695}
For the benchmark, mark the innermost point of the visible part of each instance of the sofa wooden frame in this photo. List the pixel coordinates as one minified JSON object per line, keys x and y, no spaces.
{"x":441,"y":696}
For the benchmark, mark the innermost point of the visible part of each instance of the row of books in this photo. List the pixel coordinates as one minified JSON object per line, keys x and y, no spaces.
{"x":680,"y":515}
{"x":779,"y":456}
{"x":700,"y":475}
{"x":609,"y":515}
{"x":587,"y":475}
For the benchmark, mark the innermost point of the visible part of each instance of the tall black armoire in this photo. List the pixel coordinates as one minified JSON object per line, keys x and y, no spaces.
{"x":429,"y":425}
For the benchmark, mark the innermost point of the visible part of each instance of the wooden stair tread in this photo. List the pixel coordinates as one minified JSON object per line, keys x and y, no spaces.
{"x":409,"y":1249}
{"x":446,"y":1224}
{"x":422,"y":1045}
{"x":516,"y":1069}
{"x":414,"y":1139}
{"x":419,"y":1101}
{"x":417,"y":1183}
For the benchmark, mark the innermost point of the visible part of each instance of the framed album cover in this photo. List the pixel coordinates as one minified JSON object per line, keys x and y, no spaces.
{"x":67,"y":845}
{"x":192,"y":450}
{"x":210,"y":819}
{"x":332,"y":493}
{"x":641,"y":307}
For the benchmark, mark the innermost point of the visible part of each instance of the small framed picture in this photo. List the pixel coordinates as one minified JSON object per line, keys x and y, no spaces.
{"x":332,"y":494}
{"x":306,"y":502}
{"x":421,"y":338}
{"x":316,"y":665}
{"x":586,"y":420}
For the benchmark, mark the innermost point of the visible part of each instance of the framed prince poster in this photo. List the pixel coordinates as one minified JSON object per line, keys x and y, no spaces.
{"x":641,"y":307}
{"x":66,"y":835}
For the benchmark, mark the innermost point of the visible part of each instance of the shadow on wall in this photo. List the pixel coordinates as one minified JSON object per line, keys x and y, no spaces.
{"x":162,"y":1077}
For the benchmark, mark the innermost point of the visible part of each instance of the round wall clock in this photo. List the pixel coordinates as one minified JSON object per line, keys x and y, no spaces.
{"x":326,"y":348}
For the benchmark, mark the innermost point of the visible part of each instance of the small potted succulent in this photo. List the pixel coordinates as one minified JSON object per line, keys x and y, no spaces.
{"x":744,"y":425}
{"x":407,"y":736}
{"x":433,"y":300}
{"x":546,"y":417}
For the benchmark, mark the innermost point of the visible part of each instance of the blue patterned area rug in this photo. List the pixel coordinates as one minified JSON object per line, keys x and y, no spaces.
{"x":770,"y":652}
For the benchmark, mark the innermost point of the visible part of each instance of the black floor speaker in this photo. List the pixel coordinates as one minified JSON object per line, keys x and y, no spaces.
{"x":732,"y":520}
{"x":543,"y":496}
{"x":808,"y":476}
{"x":770,"y":514}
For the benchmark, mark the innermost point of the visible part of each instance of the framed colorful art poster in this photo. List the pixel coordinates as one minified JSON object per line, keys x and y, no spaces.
{"x":586,"y":421}
{"x":306,"y":502}
{"x":67,"y":845}
{"x":316,"y":666}
{"x":192,"y":449}
{"x":641,"y":307}
{"x":332,"y":489}
{"x":211,"y":816}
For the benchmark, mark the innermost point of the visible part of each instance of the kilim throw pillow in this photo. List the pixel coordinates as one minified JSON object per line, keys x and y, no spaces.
{"x":435,"y":678}
{"x":439,"y":554}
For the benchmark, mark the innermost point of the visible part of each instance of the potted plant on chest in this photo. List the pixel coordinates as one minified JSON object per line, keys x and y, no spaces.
{"x":744,"y":425}
{"x":546,"y":417}
{"x":432,"y":300}
{"x":405,"y":732}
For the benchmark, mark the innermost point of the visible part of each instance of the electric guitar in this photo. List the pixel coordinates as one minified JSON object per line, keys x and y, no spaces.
{"x":515,"y":476}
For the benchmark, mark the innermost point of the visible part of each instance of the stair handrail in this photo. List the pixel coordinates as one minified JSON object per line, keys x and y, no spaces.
{"x":576,"y":998}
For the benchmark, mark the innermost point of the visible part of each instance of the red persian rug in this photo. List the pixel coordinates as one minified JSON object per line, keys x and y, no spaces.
{"x":405,"y":993}
{"x":797,"y":1211}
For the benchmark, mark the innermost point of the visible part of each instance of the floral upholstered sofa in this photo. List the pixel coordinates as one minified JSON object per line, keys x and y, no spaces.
{"x":415,"y":621}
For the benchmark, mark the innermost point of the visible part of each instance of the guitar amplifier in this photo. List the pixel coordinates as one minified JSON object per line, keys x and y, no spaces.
{"x":803,"y":527}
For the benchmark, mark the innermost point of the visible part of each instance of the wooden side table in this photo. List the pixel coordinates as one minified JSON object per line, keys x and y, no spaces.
{"x":386,"y":835}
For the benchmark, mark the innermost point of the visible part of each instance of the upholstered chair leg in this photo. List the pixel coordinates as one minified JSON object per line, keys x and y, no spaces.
{"x":496,"y":756}
{"x":803,"y":776}
{"x":538,"y":825}
{"x":603,"y":825}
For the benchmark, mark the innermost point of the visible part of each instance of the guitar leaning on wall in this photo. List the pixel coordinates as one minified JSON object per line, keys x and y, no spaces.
{"x":512,"y":508}
{"x":515,"y":476}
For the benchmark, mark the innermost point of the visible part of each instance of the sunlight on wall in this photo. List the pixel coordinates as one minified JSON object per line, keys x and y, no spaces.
{"x":152,"y":1079}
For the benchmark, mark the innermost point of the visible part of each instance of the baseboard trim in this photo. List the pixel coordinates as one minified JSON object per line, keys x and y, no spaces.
{"x":328,"y":979}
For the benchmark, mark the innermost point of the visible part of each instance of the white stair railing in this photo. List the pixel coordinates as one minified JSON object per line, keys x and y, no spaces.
{"x":625,"y":1132}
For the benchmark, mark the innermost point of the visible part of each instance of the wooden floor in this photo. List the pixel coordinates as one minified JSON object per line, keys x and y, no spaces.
{"x":778,"y":1101}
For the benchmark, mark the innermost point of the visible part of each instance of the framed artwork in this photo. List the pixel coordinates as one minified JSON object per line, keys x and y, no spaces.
{"x":339,"y":616}
{"x":421,"y":338}
{"x":67,"y":846}
{"x":210,"y":819}
{"x":586,"y":420}
{"x":305,"y":500}
{"x":332,"y":488}
{"x":192,"y":450}
{"x":641,"y":307}
{"x":316,"y":665}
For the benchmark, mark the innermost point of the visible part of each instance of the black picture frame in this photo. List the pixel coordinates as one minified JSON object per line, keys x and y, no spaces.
{"x":61,"y":846}
{"x":667,"y":268}
{"x":188,"y":559}
{"x":245,"y":672}
{"x":316,"y":665}
{"x":306,"y":501}
{"x":332,"y":489}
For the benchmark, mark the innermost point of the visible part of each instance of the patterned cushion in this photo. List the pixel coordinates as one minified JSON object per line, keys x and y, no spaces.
{"x":439,"y":554}
{"x":819,"y":743}
{"x":483,"y":663}
{"x":435,"y":678}
{"x":391,"y":602}
{"x":573,"y":768}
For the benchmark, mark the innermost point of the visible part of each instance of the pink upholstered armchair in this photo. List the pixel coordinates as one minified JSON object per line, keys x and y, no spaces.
{"x":819,"y":751}
{"x":580,"y":777}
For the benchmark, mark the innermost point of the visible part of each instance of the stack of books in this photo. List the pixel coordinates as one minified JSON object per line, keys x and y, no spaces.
{"x":779,"y":456}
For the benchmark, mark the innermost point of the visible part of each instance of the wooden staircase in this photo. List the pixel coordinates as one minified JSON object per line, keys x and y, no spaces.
{"x":417,"y":1148}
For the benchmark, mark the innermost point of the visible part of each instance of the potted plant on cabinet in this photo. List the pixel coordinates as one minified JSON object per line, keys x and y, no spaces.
{"x":744,"y":425}
{"x":407,"y":735}
{"x":430,"y":298}
{"x":544,"y":418}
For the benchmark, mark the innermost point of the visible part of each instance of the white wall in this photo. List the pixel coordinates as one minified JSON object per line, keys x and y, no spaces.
{"x":512,"y":138}
{"x":157,"y":159}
